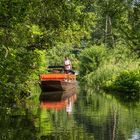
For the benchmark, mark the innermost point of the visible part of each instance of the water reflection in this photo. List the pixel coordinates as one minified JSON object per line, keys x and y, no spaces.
{"x":56,"y":114}
{"x":94,"y":116}
{"x":105,"y":117}
{"x":17,"y":125}
{"x":86,"y":115}
{"x":58,"y":100}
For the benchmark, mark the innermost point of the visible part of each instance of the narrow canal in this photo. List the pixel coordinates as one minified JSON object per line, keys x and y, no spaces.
{"x":74,"y":115}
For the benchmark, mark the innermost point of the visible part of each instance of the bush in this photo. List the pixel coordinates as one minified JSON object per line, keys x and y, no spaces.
{"x":91,"y":58}
{"x":128,"y":81}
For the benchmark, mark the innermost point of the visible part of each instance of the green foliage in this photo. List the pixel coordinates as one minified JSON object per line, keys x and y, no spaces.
{"x":18,"y":70}
{"x":114,"y":62}
{"x":116,"y":21}
{"x":91,"y":58}
{"x":126,"y":73}
{"x":29,"y":27}
{"x":57,"y":54}
{"x":128,"y":82}
{"x":97,"y":79}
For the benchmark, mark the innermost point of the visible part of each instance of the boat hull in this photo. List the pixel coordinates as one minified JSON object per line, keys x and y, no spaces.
{"x":57,"y":85}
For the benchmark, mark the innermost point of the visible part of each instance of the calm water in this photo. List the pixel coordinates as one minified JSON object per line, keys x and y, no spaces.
{"x":77,"y":115}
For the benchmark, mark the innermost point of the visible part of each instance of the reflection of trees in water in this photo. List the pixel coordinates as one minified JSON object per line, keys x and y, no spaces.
{"x":56,"y":111}
{"x":16,"y":127}
{"x":104,"y":117}
{"x":127,"y":100}
{"x":100,"y":131}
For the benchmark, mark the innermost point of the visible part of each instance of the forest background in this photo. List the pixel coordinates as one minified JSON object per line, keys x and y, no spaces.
{"x":102,"y":39}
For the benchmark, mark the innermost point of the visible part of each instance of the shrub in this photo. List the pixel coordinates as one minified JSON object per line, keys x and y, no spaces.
{"x":91,"y":58}
{"x":127,"y":82}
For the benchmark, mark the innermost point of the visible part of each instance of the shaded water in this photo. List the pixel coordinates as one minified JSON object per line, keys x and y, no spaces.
{"x":82,"y":115}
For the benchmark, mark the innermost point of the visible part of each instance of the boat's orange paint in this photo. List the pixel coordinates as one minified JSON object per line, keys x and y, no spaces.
{"x":57,"y":76}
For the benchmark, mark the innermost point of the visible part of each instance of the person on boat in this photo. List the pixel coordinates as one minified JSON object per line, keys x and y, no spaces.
{"x":68,"y":66}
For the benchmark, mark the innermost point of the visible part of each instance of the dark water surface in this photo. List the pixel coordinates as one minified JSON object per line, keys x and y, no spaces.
{"x":74,"y":115}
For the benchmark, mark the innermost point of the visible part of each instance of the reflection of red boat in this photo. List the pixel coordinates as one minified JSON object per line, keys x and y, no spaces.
{"x":57,"y":100}
{"x":53,"y":105}
{"x":57,"y":81}
{"x":58,"y":105}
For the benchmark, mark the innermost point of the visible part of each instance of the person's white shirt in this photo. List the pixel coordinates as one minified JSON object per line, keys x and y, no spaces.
{"x":67,"y":64}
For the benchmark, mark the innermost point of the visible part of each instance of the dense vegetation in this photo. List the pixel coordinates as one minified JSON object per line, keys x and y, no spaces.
{"x":31,"y":33}
{"x":112,"y":61}
{"x":102,"y":35}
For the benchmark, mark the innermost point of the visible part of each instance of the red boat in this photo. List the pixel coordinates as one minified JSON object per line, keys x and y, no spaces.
{"x":57,"y":81}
